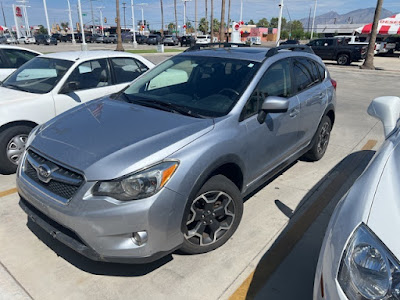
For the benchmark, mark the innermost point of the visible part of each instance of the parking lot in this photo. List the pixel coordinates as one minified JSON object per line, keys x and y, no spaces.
{"x":257,"y":261}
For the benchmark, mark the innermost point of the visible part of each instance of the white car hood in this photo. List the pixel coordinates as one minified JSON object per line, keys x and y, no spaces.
{"x":384,"y":217}
{"x":9,"y":96}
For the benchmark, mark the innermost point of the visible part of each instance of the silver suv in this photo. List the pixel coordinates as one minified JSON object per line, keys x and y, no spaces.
{"x":165,"y":163}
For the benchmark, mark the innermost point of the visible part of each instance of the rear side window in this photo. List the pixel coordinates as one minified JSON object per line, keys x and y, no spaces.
{"x":306,"y":73}
{"x":127,"y":69}
{"x":3,"y":64}
{"x":18,"y":57}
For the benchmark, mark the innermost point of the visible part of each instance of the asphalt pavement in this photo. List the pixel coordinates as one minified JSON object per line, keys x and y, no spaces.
{"x":288,"y":214}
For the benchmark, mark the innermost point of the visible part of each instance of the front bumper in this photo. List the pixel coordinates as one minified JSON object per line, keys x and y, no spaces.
{"x":101,"y":228}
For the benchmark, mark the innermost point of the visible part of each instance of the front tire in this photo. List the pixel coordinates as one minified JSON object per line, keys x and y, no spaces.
{"x":12,"y":147}
{"x":213,"y":216}
{"x":320,"y":140}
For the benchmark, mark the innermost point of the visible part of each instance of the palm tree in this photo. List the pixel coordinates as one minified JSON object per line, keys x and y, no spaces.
{"x":206,"y":17}
{"x":369,"y":61}
{"x":222,"y":27}
{"x":119,"y":39}
{"x":162,"y":19}
{"x":212,"y":20}
{"x":228,"y":22}
{"x":176,"y":20}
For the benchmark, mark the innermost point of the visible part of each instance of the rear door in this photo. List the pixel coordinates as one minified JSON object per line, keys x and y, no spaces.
{"x":272,"y":142}
{"x":312,"y":96}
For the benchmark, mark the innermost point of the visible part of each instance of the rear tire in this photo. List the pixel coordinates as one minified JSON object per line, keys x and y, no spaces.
{"x":320,"y":140}
{"x":12,"y":147}
{"x":343,"y":59}
{"x":213,"y":216}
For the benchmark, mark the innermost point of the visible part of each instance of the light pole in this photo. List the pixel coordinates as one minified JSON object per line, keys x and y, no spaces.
{"x":184,"y":16}
{"x":278,"y":35}
{"x":133,"y":26}
{"x":71,"y":24}
{"x":47,"y":17}
{"x":313,"y":21}
{"x":84,"y":45}
{"x":141,"y":7}
{"x":241,"y":11}
{"x":101,"y":20}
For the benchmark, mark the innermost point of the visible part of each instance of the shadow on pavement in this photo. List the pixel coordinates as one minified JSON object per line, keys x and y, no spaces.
{"x":332,"y":187}
{"x":95,"y":267}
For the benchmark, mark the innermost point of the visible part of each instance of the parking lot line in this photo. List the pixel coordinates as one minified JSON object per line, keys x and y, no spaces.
{"x":8,"y":192}
{"x":267,"y":266}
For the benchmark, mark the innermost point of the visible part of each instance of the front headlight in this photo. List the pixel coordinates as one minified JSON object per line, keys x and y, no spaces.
{"x":368,"y":270}
{"x":139,"y":185}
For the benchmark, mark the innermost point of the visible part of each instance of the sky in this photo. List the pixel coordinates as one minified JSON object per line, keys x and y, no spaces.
{"x":252,"y":9}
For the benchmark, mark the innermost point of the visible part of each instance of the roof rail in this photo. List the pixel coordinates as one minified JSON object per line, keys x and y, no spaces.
{"x":216,"y":45}
{"x":303,"y":48}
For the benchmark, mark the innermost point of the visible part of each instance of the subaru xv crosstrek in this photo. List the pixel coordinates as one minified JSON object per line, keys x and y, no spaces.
{"x":165,"y":163}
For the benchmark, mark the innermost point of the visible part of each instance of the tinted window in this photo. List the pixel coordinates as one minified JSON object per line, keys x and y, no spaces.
{"x":275,"y":82}
{"x":18,"y":57}
{"x":321,"y":71}
{"x":90,"y":74}
{"x":3,"y":64}
{"x":303,"y":74}
{"x":126,"y":69}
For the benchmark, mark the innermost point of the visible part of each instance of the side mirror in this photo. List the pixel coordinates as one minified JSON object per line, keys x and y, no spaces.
{"x":272,"y":104}
{"x":386,"y":109}
{"x":69,"y":87}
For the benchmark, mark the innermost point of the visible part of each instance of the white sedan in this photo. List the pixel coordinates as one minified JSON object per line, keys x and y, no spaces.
{"x":12,"y":57}
{"x":53,"y":83}
{"x":359,"y":258}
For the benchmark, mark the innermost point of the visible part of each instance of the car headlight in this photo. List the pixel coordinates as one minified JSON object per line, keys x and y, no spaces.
{"x":138,"y":185}
{"x":368,"y":270}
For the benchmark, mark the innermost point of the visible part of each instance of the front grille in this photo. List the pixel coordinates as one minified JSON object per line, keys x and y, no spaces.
{"x":55,"y":185}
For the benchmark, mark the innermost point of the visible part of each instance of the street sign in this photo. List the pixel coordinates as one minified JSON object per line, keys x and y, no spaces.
{"x":84,"y":15}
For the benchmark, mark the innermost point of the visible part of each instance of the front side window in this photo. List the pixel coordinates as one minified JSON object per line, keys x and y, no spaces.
{"x":90,"y":74}
{"x":275,"y":82}
{"x":127,"y":69}
{"x":18,"y":57}
{"x":39,"y":75}
{"x":205,"y":86}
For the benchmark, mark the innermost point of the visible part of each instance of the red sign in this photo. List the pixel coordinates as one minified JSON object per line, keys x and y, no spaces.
{"x":18,"y":12}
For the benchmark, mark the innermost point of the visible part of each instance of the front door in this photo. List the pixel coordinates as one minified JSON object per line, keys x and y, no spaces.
{"x":89,"y":80}
{"x":276,"y":139}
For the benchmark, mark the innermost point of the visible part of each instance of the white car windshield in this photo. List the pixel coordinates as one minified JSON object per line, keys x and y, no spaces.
{"x":40,"y":75}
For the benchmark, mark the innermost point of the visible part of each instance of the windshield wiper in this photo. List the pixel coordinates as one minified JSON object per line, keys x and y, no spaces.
{"x":15,"y":87}
{"x":167,"y":106}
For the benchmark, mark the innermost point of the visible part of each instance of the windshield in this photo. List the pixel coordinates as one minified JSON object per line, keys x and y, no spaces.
{"x":203,"y":86}
{"x":39,"y":75}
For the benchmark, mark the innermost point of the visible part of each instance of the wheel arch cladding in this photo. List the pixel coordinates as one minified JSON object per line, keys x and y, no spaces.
{"x":331,"y":115}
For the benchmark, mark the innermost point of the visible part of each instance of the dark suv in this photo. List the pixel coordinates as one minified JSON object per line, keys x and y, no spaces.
{"x":188,"y":41}
{"x":45,"y":39}
{"x":167,"y":162}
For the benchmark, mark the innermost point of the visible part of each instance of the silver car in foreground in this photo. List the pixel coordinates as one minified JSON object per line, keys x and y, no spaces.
{"x":165,"y":163}
{"x":359,"y":257}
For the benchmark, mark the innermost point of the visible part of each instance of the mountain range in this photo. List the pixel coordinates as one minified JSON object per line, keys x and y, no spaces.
{"x":359,"y":16}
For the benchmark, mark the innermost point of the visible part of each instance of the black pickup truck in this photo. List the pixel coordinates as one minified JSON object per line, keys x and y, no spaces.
{"x":338,"y":49}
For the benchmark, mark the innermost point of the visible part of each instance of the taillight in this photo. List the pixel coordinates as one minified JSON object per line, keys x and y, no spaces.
{"x":384,"y":46}
{"x":334,"y":83}
{"x":375,"y":47}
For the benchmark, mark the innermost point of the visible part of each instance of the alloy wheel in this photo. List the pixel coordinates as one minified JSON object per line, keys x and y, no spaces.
{"x":323,"y":138}
{"x":211,"y":216}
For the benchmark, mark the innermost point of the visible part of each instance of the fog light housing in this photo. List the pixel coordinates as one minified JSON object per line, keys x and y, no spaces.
{"x":140,"y":238}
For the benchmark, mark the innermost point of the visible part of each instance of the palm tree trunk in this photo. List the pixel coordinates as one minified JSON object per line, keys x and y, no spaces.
{"x":119,"y":39}
{"x":369,"y":60}
{"x":176,"y":20}
{"x":222,"y":25}
{"x":206,"y":17}
{"x":228,"y":22}
{"x":212,"y":20}
{"x":162,"y":19}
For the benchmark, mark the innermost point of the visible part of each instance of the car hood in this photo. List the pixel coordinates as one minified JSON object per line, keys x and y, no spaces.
{"x":106,"y":139}
{"x":9,"y":95}
{"x":384,"y":217}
